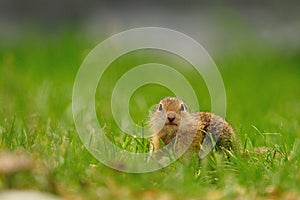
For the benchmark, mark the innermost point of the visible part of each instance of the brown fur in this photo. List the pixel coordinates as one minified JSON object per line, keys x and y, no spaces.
{"x":190,"y":128}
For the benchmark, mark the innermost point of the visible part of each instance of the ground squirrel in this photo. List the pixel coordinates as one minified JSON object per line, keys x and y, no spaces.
{"x":171,"y":121}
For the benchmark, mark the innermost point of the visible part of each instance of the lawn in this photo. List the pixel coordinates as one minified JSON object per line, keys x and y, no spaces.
{"x":38,"y":134}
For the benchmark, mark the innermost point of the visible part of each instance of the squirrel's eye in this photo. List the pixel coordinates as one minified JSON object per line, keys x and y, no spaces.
{"x":182,"y":107}
{"x":160,"y":107}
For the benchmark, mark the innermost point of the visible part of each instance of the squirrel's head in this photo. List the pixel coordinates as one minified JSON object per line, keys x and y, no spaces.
{"x":168,"y":115}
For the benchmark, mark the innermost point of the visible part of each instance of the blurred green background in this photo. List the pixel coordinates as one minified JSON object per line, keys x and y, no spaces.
{"x":256,"y":48}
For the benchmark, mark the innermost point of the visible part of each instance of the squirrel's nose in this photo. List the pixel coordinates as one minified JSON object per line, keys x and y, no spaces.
{"x":171,"y":117}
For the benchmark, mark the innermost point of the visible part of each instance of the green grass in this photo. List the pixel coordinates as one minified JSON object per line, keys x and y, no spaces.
{"x":263,"y":105}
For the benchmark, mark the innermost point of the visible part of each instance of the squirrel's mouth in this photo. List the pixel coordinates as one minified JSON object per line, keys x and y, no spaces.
{"x":170,"y":124}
